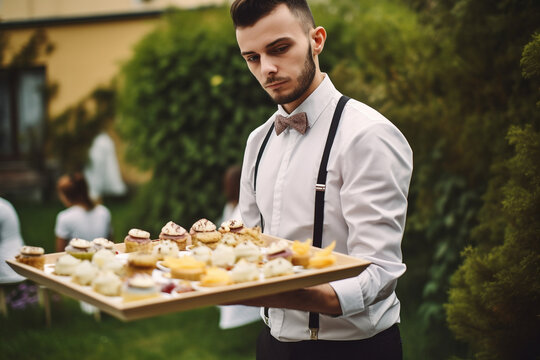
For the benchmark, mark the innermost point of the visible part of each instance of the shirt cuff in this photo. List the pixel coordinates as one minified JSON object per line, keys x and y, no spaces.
{"x":350,"y":297}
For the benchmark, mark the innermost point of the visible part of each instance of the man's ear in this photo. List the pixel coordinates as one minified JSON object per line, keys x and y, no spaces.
{"x":318,"y":38}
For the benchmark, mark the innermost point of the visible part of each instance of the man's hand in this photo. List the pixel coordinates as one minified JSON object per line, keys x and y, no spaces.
{"x":320,"y":298}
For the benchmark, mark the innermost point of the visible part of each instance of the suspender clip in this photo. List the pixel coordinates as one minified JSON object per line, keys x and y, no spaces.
{"x":313,"y":333}
{"x":320,"y":187}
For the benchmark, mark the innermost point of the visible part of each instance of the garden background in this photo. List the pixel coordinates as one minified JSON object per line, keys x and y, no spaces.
{"x":461,"y":79}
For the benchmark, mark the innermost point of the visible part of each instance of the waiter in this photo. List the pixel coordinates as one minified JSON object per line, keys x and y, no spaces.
{"x":326,"y":167}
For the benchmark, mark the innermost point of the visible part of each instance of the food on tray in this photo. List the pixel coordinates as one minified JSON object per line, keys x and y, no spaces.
{"x":139,"y":287}
{"x":32,"y":255}
{"x":165,"y":248}
{"x":107,"y":283}
{"x":233,"y":226}
{"x":102,"y":256}
{"x":244,"y":271}
{"x":183,"y":286}
{"x":279,"y":249}
{"x":252,"y":234}
{"x":102,"y":243}
{"x":301,"y":252}
{"x":223,"y":256}
{"x":138,"y":240}
{"x":141,"y":262}
{"x":234,"y":232}
{"x":185,"y":267}
{"x":116,"y":266}
{"x":81,"y":249}
{"x":229,"y":239}
{"x":277,"y":267}
{"x":84,"y":273}
{"x":176,"y":233}
{"x":202,"y":253}
{"x":247,"y":250}
{"x":204,"y":232}
{"x":323,"y":258}
{"x":215,"y":277}
{"x":66,"y":265}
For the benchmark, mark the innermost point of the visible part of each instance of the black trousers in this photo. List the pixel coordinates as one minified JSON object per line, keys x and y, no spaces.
{"x":386,"y":345}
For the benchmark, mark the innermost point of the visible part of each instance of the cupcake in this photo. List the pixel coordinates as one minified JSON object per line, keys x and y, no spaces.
{"x":204,"y":232}
{"x":66,"y":265}
{"x":81,"y":249}
{"x":141,"y":263}
{"x":102,"y":256}
{"x":139,"y":287}
{"x":165,"y":248}
{"x":277,"y":267}
{"x":248,"y":251}
{"x":84,"y":273}
{"x":186,"y":268}
{"x":215,"y":277}
{"x":102,"y":243}
{"x":138,"y":240}
{"x":202,"y":253}
{"x":244,"y":271}
{"x":301,"y":252}
{"x":107,"y":283}
{"x":176,"y":233}
{"x":279,"y":249}
{"x":32,"y":255}
{"x":223,"y":256}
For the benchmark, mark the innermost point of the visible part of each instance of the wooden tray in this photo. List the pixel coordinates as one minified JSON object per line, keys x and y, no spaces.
{"x":345,"y":267}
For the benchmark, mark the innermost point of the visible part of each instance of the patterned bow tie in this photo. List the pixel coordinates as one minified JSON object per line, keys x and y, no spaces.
{"x":297,"y":121}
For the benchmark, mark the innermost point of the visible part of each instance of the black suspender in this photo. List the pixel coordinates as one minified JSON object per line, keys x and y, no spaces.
{"x":320,"y":189}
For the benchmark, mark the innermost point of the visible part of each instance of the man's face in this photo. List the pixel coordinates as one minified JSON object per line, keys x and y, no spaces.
{"x":278,"y":54}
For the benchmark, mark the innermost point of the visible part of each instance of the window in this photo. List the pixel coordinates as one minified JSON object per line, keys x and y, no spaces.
{"x":22,"y":112}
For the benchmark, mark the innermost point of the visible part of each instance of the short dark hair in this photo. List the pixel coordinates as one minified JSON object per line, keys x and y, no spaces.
{"x":247,"y":12}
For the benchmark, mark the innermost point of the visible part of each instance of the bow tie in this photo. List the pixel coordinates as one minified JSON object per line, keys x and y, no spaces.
{"x":297,"y":121}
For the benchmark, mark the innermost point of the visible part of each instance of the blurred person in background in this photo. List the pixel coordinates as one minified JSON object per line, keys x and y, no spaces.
{"x":232,"y":316}
{"x":11,"y":241}
{"x":83,"y":218}
{"x":102,"y":171}
{"x":358,"y":200}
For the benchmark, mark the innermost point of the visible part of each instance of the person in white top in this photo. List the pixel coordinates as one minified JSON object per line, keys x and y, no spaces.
{"x":11,"y":241}
{"x":364,"y":195}
{"x":83,"y":218}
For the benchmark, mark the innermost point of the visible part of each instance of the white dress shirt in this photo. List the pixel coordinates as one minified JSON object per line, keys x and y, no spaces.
{"x":369,"y":172}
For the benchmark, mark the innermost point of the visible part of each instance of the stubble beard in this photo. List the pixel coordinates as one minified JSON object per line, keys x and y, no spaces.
{"x":304,"y":81}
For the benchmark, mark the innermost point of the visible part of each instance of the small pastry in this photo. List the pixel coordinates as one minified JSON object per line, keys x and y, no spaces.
{"x":138,"y":240}
{"x":32,"y":255}
{"x":140,"y":287}
{"x":102,"y":256}
{"x":84,"y":273}
{"x":229,"y":239}
{"x":204,"y":231}
{"x":107,"y":283}
{"x":277,"y":267}
{"x":102,"y":243}
{"x":183,"y":286}
{"x":279,"y":249}
{"x":186,"y":268}
{"x":176,"y":233}
{"x":202,"y":253}
{"x":301,"y":252}
{"x":66,"y":265}
{"x":81,"y":249}
{"x":323,"y":258}
{"x":215,"y":277}
{"x":223,"y":256}
{"x":251,"y":234}
{"x":248,"y":251}
{"x":116,"y":266}
{"x":141,"y":263}
{"x":244,"y":271}
{"x":165,"y":248}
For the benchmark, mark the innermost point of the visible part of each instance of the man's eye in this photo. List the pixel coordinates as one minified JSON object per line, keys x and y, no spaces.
{"x":281,"y":49}
{"x":252,"y":58}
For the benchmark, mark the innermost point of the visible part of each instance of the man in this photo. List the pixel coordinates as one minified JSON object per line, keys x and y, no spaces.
{"x":364,"y":204}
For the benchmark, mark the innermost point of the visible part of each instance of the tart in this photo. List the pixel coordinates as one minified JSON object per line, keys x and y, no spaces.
{"x":140,"y":287}
{"x":138,"y":240}
{"x":81,"y":249}
{"x":176,"y":233}
{"x":32,"y":255}
{"x":204,"y":232}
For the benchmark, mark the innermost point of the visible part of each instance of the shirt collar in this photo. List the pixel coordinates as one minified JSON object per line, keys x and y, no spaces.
{"x":315,"y":103}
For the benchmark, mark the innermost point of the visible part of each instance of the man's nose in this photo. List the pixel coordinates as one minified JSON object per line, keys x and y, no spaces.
{"x":268,"y":67}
